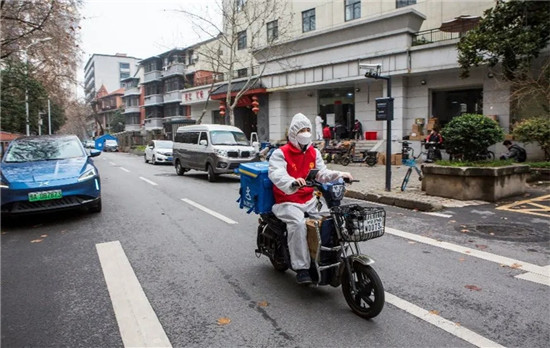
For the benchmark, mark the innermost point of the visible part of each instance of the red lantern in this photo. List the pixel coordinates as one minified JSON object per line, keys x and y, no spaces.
{"x":222,"y":108}
{"x":255,"y":104}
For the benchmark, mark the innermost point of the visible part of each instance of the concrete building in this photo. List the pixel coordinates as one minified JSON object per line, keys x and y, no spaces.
{"x":107,"y":70}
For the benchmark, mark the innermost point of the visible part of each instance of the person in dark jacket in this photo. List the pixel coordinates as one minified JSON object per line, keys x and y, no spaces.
{"x":515,"y":152}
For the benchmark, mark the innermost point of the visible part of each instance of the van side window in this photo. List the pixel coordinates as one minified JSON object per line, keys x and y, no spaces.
{"x":204,"y":136}
{"x":179,"y":137}
{"x":191,"y":137}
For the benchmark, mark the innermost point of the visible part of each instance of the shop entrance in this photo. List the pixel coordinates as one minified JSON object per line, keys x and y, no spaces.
{"x":337,"y":108}
{"x":449,"y":104}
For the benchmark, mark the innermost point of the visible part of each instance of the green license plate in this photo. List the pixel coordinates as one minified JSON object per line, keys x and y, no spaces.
{"x":44,"y":195}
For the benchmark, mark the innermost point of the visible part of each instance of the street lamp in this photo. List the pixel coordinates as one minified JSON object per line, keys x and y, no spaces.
{"x":27,"y":81}
{"x":384,"y":111}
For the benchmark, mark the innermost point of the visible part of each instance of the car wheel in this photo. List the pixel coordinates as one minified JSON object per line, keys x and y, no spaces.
{"x":211,"y":174}
{"x":145,"y":157}
{"x":179,"y":168}
{"x":96,"y":208}
{"x":154,"y":160}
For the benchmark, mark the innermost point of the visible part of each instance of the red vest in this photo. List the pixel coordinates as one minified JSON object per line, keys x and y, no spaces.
{"x":298,"y":164}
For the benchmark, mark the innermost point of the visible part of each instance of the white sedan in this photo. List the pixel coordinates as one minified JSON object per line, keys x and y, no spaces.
{"x":158,"y":151}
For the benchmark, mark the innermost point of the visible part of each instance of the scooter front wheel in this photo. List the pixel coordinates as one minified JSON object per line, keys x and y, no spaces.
{"x":368,"y":301}
{"x":371,"y":161}
{"x":344,"y":161}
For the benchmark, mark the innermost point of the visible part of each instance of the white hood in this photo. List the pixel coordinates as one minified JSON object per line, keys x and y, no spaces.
{"x":299,"y":121}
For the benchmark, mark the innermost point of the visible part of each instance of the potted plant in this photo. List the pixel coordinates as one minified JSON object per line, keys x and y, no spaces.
{"x":470,"y":177}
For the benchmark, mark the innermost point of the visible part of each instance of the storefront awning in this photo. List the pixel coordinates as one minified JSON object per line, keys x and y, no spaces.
{"x":221,"y":92}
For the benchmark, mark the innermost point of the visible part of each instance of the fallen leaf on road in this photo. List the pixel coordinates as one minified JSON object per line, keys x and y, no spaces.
{"x":462,"y":259}
{"x":452,"y":221}
{"x":458,"y":324}
{"x":224,"y":321}
{"x":467,"y":251}
{"x":263,"y":304}
{"x":516,"y":266}
{"x":492,"y":233}
{"x":43,"y":236}
{"x":464,"y":231}
{"x":411,"y":242}
{"x":472,"y":287}
{"x":481,"y":246}
{"x":434,"y":312}
{"x":36,"y":240}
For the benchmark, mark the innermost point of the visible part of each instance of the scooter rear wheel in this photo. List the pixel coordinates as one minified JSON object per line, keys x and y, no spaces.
{"x":344,"y":161}
{"x":369,"y":299}
{"x":371,"y":161}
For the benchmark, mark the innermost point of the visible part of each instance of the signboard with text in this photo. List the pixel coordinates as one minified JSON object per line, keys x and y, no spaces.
{"x":384,"y":109}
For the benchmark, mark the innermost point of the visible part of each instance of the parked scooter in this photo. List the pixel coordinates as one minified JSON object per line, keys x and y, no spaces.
{"x":368,"y":157}
{"x":334,"y":247}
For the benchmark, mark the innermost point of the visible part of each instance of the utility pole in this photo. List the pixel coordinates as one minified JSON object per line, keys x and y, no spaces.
{"x":384,"y":111}
{"x":27,"y":123}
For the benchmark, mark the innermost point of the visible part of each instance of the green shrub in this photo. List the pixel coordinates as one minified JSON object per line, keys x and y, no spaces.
{"x":536,"y":129}
{"x":470,"y":134}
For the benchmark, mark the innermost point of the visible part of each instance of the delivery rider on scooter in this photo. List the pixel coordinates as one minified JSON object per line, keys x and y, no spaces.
{"x":287,"y":165}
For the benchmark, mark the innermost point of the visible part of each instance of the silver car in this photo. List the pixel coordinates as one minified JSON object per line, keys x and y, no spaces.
{"x":159,"y":151}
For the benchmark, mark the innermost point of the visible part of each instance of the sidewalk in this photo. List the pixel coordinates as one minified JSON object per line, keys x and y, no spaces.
{"x":373,"y":183}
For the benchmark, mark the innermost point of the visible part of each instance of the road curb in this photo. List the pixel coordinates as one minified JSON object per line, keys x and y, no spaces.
{"x":401,"y":202}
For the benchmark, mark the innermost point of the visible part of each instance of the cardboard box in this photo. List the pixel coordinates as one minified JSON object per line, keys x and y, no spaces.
{"x":313,"y":236}
{"x":396,"y":159}
{"x":416,"y":128}
{"x":381,"y":159}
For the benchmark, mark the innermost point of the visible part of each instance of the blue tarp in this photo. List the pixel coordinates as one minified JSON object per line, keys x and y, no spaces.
{"x":100,"y":141}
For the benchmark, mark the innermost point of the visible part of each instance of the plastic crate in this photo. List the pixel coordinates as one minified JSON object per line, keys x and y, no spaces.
{"x":256,"y":192}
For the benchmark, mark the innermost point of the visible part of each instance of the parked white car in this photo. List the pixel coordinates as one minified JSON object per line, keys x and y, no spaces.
{"x":159,"y":151}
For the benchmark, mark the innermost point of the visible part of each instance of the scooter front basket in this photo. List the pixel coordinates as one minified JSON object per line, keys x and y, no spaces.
{"x":359,"y":223}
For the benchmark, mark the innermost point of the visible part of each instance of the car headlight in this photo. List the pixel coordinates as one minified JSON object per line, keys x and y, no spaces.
{"x":4,"y":183}
{"x":89,"y":173}
{"x":221,"y":153}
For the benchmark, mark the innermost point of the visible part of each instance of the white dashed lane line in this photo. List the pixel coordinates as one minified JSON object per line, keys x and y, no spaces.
{"x":211,"y":212}
{"x":124,"y":169}
{"x":148,"y":181}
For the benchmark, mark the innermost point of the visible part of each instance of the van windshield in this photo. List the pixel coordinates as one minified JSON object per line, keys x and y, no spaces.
{"x":228,"y":138}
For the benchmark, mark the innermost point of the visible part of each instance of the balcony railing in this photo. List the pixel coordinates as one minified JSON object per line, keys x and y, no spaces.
{"x":132,"y":91}
{"x":153,"y":123}
{"x":132,"y":127}
{"x":432,"y":35}
{"x":131,"y":109}
{"x":152,"y":76}
{"x":174,"y":69}
{"x":153,"y":99}
{"x":172,"y":96}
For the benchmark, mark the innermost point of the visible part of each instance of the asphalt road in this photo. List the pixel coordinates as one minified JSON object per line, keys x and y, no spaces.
{"x":473,"y":276}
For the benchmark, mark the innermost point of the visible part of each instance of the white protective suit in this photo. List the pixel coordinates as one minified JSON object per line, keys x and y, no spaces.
{"x":318,"y":127}
{"x":293,"y":213}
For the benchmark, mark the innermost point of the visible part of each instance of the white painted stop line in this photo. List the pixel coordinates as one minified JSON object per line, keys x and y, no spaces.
{"x":137,"y":321}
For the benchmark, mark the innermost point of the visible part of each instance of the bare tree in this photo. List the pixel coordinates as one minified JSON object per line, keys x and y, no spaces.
{"x":44,"y":34}
{"x":77,"y":117}
{"x":244,"y":31}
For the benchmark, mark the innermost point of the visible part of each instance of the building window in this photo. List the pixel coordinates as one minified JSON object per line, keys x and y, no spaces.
{"x":242,"y":72}
{"x":124,"y":75}
{"x":272,"y":30}
{"x":124,"y":66}
{"x":241,"y":40}
{"x":308,"y":20}
{"x":353,"y":9}
{"x":239,"y":5}
{"x":403,"y":3}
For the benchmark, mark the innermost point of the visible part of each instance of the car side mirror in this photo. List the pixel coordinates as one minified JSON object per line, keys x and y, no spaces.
{"x":203,"y":142}
{"x":94,"y":153}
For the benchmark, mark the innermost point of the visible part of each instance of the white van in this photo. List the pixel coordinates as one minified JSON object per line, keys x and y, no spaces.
{"x":213,"y":148}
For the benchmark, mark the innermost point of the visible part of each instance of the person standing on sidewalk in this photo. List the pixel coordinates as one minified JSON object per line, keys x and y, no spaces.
{"x":318,"y":127}
{"x":291,"y":164}
{"x":327,"y":135}
{"x":357,"y":130}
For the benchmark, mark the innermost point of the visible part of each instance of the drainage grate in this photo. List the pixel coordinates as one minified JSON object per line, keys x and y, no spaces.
{"x":507,"y":232}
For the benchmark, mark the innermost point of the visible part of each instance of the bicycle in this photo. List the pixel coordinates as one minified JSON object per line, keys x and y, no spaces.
{"x":410,"y":161}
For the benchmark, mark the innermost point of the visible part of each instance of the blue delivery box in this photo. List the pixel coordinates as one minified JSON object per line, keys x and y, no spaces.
{"x":256,"y":192}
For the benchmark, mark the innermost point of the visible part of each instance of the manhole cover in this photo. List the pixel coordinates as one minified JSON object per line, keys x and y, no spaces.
{"x":506,"y":232}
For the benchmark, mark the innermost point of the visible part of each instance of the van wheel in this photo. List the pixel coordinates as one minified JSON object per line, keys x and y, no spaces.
{"x":211,"y":174}
{"x":179,"y":168}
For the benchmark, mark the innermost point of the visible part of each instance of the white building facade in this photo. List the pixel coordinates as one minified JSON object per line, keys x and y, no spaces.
{"x":107,"y":70}
{"x":322,"y":67}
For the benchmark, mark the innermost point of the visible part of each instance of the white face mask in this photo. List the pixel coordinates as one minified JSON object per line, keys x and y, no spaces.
{"x":303,"y":138}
